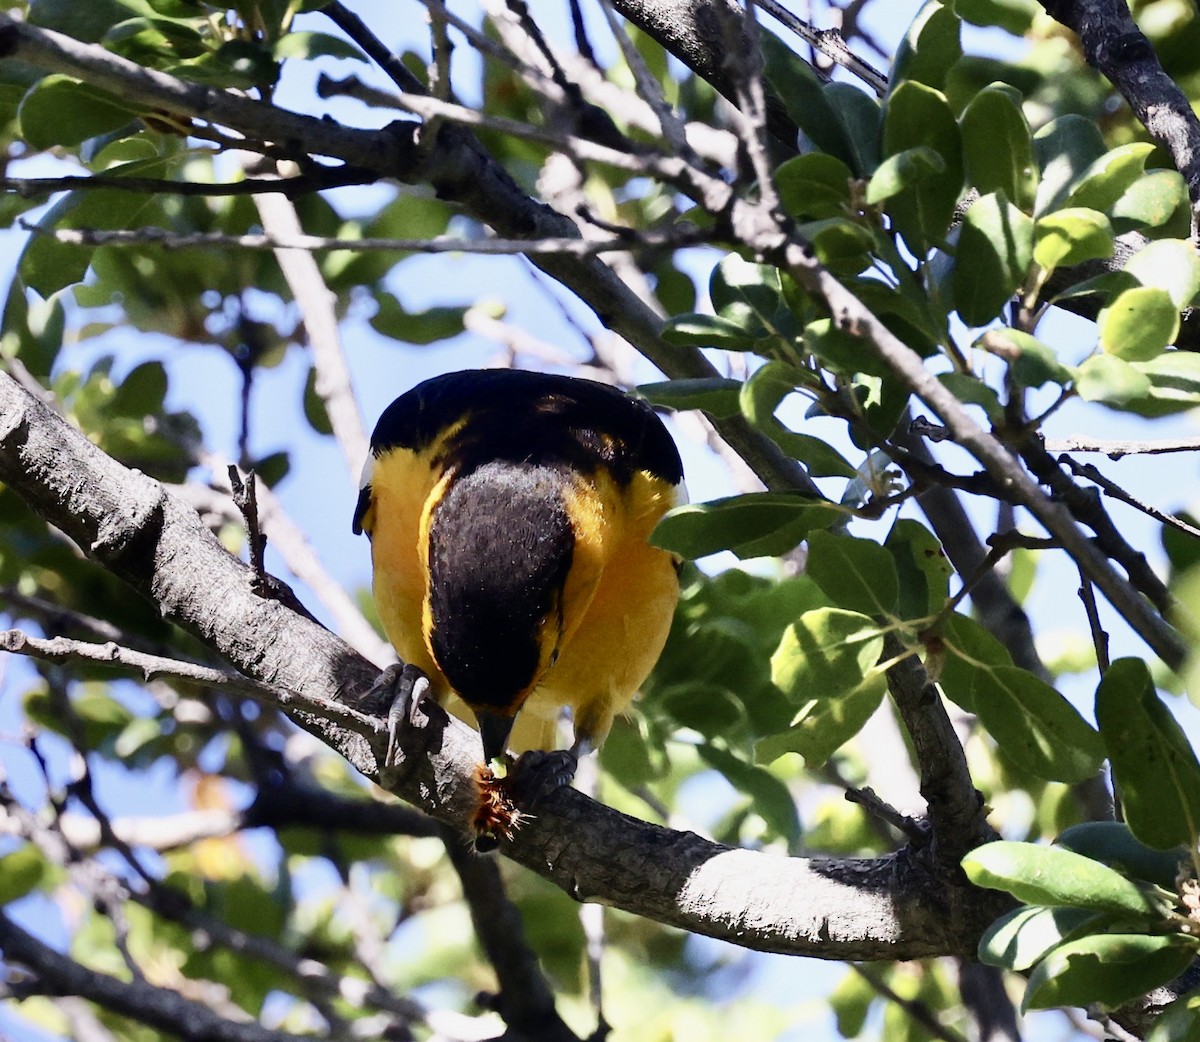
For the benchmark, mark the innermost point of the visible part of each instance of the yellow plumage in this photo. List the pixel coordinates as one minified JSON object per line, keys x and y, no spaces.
{"x":509,"y":515}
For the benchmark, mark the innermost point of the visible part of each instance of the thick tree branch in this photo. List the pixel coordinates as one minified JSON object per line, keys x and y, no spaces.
{"x":141,"y":87}
{"x":1117,"y":48}
{"x":894,"y":907}
{"x":162,"y":1008}
{"x":453,"y":163}
{"x":525,"y":1000}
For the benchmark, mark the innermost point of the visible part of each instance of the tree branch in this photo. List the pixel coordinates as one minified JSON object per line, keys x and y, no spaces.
{"x":138,"y":86}
{"x":851,"y":908}
{"x":145,"y":1003}
{"x":1117,"y":48}
{"x":525,"y":1001}
{"x":305,"y":184}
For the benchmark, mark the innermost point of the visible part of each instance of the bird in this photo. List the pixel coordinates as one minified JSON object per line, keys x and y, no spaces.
{"x":509,"y":514}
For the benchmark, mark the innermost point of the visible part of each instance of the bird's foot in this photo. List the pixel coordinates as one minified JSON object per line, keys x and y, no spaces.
{"x":402,"y":687}
{"x":539,"y":772}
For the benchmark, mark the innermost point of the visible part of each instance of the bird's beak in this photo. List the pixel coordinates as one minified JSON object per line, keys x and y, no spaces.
{"x":494,"y":729}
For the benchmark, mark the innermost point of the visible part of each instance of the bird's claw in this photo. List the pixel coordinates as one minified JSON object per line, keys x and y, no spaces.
{"x":403,"y":687}
{"x":539,"y":772}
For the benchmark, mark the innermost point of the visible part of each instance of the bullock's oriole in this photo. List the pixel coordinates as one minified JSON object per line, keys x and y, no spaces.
{"x":508,"y":513}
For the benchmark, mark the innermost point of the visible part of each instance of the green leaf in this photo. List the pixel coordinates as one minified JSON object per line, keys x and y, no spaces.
{"x":1110,"y":381}
{"x":1171,"y":265}
{"x":1110,"y":969}
{"x":1139,"y":325}
{"x":851,"y":1001}
{"x":929,"y":47}
{"x":142,"y":391}
{"x":415,"y":327}
{"x":1154,"y":768}
{"x":856,"y":574}
{"x":701,"y":330}
{"x":1107,"y":286}
{"x":801,"y":90}
{"x":21,"y":872}
{"x":922,"y":568}
{"x":1071,"y":236}
{"x":1016,"y":16}
{"x":917,"y":116}
{"x":759,"y":524}
{"x":1051,"y":876}
{"x":968,"y":648}
{"x":1064,"y":149}
{"x":823,"y":724}
{"x":1109,"y":176}
{"x":87,"y":22}
{"x":60,"y":110}
{"x":1114,"y":843}
{"x":1032,"y":362}
{"x":761,"y":396}
{"x":992,"y":259}
{"x":1174,"y":384}
{"x":814,"y":186}
{"x":715,"y":395}
{"x":1035,"y":727}
{"x":47,"y":265}
{"x":1151,"y":201}
{"x":902,"y":171}
{"x":315,"y":410}
{"x":861,"y":117}
{"x":825,"y":653}
{"x":769,"y":796}
{"x":313,"y":45}
{"x":709,"y":708}
{"x":750,"y":295}
{"x":970,"y":390}
{"x":1019,"y":939}
{"x":842,"y":245}
{"x":998,"y":146}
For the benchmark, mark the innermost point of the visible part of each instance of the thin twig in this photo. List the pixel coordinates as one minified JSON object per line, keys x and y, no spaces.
{"x":905,"y":824}
{"x":650,"y":241}
{"x":63,"y":649}
{"x":318,"y":306}
{"x":1087,"y":470}
{"x":1115,"y":448}
{"x":917,"y":1010}
{"x":305,"y":184}
{"x":376,"y":49}
{"x":1099,"y":635}
{"x":648,"y":88}
{"x":830,"y":43}
{"x":525,"y":1000}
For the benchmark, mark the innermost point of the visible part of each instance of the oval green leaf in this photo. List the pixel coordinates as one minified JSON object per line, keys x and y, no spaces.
{"x":856,"y":574}
{"x":760,"y":524}
{"x":1017,"y":940}
{"x":1110,"y":969}
{"x":60,"y":110}
{"x":1115,"y":844}
{"x":1035,"y":727}
{"x":998,"y":147}
{"x":1139,"y":325}
{"x":1168,"y":264}
{"x":992,"y":259}
{"x":1072,"y":236}
{"x":1053,"y":877}
{"x":1154,"y":767}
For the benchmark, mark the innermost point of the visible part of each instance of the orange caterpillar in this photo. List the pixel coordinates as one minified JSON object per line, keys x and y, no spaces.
{"x":497,"y":815}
